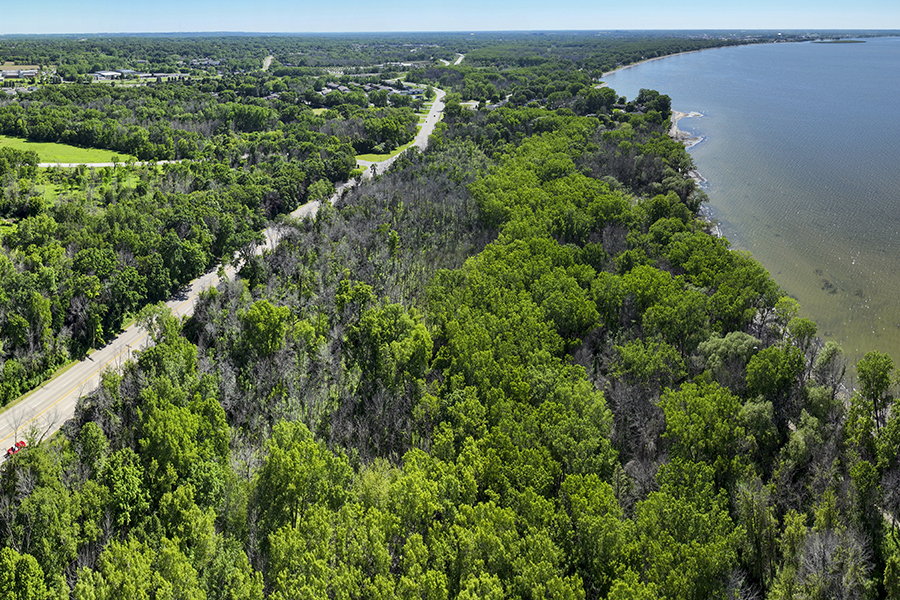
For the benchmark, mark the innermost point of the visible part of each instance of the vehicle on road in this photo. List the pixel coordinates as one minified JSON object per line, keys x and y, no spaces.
{"x":13,"y":449}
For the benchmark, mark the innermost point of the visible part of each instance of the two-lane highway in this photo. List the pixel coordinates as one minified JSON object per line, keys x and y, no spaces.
{"x":45,"y":410}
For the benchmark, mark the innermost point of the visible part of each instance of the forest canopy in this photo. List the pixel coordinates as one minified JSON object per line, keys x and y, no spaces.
{"x":515,"y":365}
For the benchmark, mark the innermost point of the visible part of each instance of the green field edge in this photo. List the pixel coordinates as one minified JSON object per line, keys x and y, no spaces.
{"x":55,"y":152}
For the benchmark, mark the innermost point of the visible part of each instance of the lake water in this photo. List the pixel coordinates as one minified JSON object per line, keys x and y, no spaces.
{"x":801,"y":151}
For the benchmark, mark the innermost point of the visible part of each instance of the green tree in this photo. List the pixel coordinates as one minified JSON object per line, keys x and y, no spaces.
{"x":727,"y":358}
{"x":703,"y":423}
{"x":265,"y":326}
{"x":830,"y":367}
{"x":21,"y":578}
{"x":298,"y":474}
{"x":630,"y":587}
{"x":123,"y":475}
{"x":595,"y":536}
{"x":774,"y":373}
{"x":685,"y":540}
{"x":756,"y":517}
{"x":875,"y":372}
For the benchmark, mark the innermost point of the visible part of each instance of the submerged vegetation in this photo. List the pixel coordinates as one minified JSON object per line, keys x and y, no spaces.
{"x":514,"y":365}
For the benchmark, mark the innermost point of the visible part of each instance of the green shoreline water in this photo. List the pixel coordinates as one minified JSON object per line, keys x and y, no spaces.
{"x":798,"y":150}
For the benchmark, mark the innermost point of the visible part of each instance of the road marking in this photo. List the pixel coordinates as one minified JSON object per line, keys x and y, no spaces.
{"x":272,"y":234}
{"x":66,"y":395}
{"x":95,"y":373}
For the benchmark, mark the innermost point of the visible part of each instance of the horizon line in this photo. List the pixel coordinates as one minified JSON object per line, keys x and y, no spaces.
{"x":461,"y":31}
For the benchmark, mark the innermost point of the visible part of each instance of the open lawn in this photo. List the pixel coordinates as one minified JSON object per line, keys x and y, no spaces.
{"x":381,"y":157}
{"x":9,"y":66}
{"x":51,"y":190}
{"x":63,"y":153}
{"x":423,"y":114}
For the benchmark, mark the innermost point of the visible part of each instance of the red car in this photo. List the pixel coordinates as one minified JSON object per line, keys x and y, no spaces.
{"x":13,"y":449}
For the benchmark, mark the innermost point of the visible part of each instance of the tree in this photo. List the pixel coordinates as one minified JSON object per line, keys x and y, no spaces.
{"x":230,"y":576}
{"x":129,"y":497}
{"x":773,"y":373}
{"x":265,"y":326}
{"x":379,"y":98}
{"x":727,"y":358}
{"x":133,"y":569}
{"x":595,"y":532}
{"x":875,"y":371}
{"x":685,"y":542}
{"x":703,"y":424}
{"x":93,"y":447}
{"x":21,"y":578}
{"x":830,"y":367}
{"x":756,"y":515}
{"x":298,"y":474}
{"x":48,"y":524}
{"x":630,"y":587}
{"x":654,"y":364}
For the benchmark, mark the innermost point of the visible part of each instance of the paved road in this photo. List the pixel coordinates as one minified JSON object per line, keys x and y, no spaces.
{"x":421,"y":140}
{"x":45,"y":410}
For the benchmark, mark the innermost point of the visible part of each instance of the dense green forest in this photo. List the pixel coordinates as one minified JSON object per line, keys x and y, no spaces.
{"x":86,"y":53}
{"x":515,"y":365}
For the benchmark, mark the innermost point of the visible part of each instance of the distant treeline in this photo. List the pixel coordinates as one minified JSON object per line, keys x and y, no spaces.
{"x":517,"y":365}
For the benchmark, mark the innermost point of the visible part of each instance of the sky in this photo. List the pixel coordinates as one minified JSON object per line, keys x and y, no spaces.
{"x":307,"y":16}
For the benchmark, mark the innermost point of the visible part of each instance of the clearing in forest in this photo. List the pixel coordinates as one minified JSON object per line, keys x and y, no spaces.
{"x":50,"y":152}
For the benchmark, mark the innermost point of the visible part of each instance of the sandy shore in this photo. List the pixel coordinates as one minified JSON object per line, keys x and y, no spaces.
{"x":685,"y":138}
{"x":681,"y":136}
{"x":623,"y":67}
{"x":688,"y":141}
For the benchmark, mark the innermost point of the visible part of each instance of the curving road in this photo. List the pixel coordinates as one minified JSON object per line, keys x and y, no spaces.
{"x":42,"y":412}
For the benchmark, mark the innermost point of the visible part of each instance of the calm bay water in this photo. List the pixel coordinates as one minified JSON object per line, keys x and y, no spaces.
{"x":801,"y":151}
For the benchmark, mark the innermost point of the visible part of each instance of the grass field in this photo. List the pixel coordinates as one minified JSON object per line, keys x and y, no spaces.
{"x":63,"y":153}
{"x":381,"y":157}
{"x":8,"y":66}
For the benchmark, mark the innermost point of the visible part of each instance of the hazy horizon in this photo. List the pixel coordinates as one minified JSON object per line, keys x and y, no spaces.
{"x":236,"y":33}
{"x":268,"y":17}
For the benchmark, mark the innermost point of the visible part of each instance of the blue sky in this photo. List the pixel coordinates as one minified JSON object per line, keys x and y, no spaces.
{"x":113,"y":16}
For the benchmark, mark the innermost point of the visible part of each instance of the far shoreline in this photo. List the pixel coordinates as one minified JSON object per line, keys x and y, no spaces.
{"x":647,"y":60}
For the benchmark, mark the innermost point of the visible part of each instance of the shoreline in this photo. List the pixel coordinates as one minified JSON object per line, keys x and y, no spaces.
{"x":689,"y":142}
{"x":676,"y":134}
{"x":685,"y":138}
{"x":646,"y":60}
